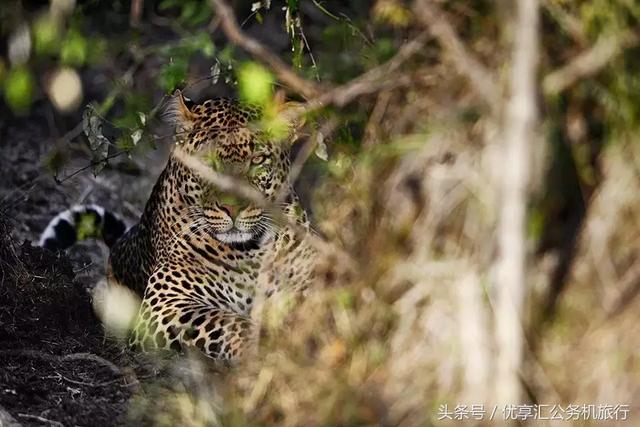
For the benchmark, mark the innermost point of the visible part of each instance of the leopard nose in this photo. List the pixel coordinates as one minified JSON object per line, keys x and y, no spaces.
{"x":231,"y":210}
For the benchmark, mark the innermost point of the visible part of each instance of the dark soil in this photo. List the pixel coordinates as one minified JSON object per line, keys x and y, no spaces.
{"x":56,"y":365}
{"x":53,"y":362}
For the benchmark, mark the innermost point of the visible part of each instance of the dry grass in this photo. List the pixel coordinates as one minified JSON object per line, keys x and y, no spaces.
{"x":404,"y":332}
{"x":410,"y":326}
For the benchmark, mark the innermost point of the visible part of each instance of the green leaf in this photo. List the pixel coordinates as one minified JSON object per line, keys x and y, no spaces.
{"x":255,"y":83}
{"x":98,"y":143}
{"x":136,"y":136}
{"x":74,"y":49}
{"x":18,"y":89}
{"x":321,"y":147}
{"x":292,"y":6}
{"x":195,"y":12}
{"x":189,"y":10}
{"x":131,"y":116}
{"x":199,"y":43}
{"x":215,"y":73}
{"x":56,"y":159}
{"x":173,"y":74}
{"x":345,"y":298}
{"x":125,"y":143}
{"x":168,"y":4}
{"x":46,"y":35}
{"x":297,"y":45}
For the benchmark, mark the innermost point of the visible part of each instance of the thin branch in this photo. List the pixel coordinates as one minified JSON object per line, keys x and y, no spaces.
{"x":136,"y":12}
{"x":94,"y":358}
{"x":631,"y":289}
{"x":372,"y":129}
{"x":90,"y":165}
{"x":224,"y":182}
{"x":590,"y":62}
{"x":371,"y":81}
{"x":283,"y":71}
{"x":41,"y":419}
{"x":569,"y":23}
{"x":303,"y":155}
{"x":382,"y":77}
{"x":510,"y":267}
{"x":101,"y":384}
{"x":241,"y":188}
{"x":482,"y":81}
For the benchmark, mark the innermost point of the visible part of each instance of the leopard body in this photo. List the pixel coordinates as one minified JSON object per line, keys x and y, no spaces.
{"x":200,"y":255}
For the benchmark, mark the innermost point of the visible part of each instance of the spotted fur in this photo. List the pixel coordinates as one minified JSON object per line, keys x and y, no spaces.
{"x":199,"y":257}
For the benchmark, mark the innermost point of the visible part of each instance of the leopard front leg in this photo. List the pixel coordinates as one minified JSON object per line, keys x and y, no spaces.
{"x":176,"y":315}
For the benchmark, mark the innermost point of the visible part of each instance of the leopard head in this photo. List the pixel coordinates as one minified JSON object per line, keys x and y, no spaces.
{"x":222,"y":134}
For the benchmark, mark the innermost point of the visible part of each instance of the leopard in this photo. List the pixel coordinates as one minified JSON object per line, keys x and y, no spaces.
{"x":201,"y":254}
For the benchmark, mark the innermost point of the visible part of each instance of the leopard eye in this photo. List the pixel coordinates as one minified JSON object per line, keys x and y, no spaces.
{"x":260,"y":158}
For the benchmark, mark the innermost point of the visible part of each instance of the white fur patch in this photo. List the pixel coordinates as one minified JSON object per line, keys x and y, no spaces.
{"x":234,"y":237}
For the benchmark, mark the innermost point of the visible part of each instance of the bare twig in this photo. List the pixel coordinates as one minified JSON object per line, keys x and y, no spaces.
{"x":230,"y":27}
{"x":94,"y":358}
{"x":41,"y":419}
{"x":241,"y":188}
{"x":474,"y":337}
{"x":372,"y":129}
{"x":570,"y":24}
{"x":384,"y":76}
{"x":75,"y":132}
{"x":590,"y":62}
{"x":90,"y":165}
{"x":631,"y":289}
{"x":136,"y":12}
{"x":482,"y":81}
{"x":134,"y":383}
{"x":519,"y":136}
{"x":225,"y":183}
{"x":303,"y":155}
{"x":371,"y":81}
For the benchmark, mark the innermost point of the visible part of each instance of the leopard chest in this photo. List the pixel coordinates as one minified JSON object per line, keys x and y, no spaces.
{"x":218,"y":277}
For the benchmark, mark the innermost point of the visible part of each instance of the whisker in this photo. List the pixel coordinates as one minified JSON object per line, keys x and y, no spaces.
{"x":199,"y":224}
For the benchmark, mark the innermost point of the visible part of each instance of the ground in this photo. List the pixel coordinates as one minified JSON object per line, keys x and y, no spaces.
{"x":56,"y":365}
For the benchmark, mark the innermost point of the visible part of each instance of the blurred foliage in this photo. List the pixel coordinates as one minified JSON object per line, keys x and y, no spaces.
{"x":191,"y":12}
{"x":255,"y":84}
{"x":19,"y":86}
{"x":376,"y":162}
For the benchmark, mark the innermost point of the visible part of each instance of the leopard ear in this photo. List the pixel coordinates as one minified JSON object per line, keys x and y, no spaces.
{"x":177,"y":111}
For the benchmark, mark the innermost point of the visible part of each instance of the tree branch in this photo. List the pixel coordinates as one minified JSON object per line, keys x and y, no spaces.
{"x":588,"y":63}
{"x":284,"y":73}
{"x":371,"y":81}
{"x":510,"y":268}
{"x":233,"y":185}
{"x":570,"y":24}
{"x":381,"y":77}
{"x":482,"y":81}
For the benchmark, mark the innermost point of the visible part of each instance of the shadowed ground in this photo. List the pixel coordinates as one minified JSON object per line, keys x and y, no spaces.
{"x":55,"y":363}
